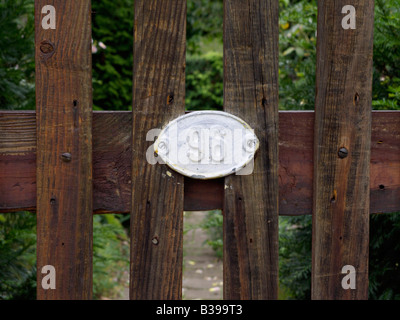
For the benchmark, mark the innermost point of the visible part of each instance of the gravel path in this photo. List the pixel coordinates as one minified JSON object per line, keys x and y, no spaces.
{"x":202,"y":276}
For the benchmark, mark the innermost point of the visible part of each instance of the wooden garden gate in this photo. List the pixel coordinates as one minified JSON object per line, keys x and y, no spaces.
{"x":66,"y":162}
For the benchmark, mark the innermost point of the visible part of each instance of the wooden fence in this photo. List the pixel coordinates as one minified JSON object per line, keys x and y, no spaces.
{"x":65,"y":162}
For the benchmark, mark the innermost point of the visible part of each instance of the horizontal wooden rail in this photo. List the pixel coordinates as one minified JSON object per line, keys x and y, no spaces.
{"x":112,"y":133}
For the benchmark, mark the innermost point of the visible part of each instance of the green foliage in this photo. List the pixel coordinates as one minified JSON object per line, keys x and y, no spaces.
{"x":110,"y":257}
{"x":384,"y":257}
{"x":17,"y":256}
{"x":386,"y":81}
{"x":17,"y":54}
{"x":112,"y":63}
{"x":204,"y":23}
{"x":112,"y":25}
{"x":212,"y":224}
{"x":295,"y":256}
{"x":204,"y":82}
{"x":297,"y":54}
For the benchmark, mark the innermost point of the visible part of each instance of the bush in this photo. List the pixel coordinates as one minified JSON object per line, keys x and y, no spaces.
{"x":204,"y":23}
{"x":17,"y":66}
{"x":384,"y":257}
{"x":17,"y":256}
{"x":297,"y":54}
{"x":204,"y":82}
{"x":110,"y":257}
{"x":295,"y":256}
{"x":386,"y":85}
{"x":112,"y":22}
{"x":213,"y":225}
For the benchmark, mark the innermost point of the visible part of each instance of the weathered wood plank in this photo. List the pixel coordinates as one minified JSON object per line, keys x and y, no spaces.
{"x":251,"y":201}
{"x":342,"y":120}
{"x":203,"y":195}
{"x":64,"y":125}
{"x":157,"y":197}
{"x":17,"y":161}
{"x":112,"y":164}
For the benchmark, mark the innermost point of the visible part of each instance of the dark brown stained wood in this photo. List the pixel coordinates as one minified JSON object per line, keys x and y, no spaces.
{"x":64,"y":125}
{"x":296,"y":137}
{"x":385,"y":162}
{"x":251,"y":201}
{"x":157,"y":197}
{"x":203,"y":195}
{"x":112,"y":164}
{"x":17,"y":160}
{"x":342,"y":119}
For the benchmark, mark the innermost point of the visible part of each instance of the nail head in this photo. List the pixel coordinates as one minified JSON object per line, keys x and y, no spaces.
{"x":66,"y":157}
{"x":343,"y":153}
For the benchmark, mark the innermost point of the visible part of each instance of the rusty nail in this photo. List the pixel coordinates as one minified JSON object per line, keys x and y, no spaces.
{"x":66,"y":157}
{"x":343,"y":153}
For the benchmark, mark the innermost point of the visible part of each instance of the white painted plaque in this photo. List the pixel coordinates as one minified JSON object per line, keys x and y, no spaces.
{"x":207,"y":144}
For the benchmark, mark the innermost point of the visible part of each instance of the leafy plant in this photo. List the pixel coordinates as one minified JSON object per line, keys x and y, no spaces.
{"x":295,"y":256}
{"x":17,"y":67}
{"x":204,"y":24}
{"x":384,"y":257}
{"x":297,"y":54}
{"x":112,"y":25}
{"x":212,"y":224}
{"x":17,"y":256}
{"x":386,"y":81}
{"x":110,"y":257}
{"x":204,"y":82}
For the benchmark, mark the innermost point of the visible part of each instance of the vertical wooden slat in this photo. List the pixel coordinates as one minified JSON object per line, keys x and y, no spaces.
{"x":157,"y":195}
{"x":64,"y":126}
{"x":342,"y":120}
{"x":251,"y":201}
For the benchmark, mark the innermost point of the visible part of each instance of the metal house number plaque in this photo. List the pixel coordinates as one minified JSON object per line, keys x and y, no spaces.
{"x":207,"y":144}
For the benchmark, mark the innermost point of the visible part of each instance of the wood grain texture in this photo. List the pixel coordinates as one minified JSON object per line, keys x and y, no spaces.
{"x":342,"y":119}
{"x":112,"y":164}
{"x":251,"y":201}
{"x":64,"y":125}
{"x":203,"y":195}
{"x":157,"y":198}
{"x":17,"y":161}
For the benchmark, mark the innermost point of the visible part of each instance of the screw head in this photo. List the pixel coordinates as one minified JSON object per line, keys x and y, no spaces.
{"x":66,"y":157}
{"x":343,"y":153}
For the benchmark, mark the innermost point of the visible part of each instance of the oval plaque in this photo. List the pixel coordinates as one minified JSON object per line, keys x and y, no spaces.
{"x":207,"y":144}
